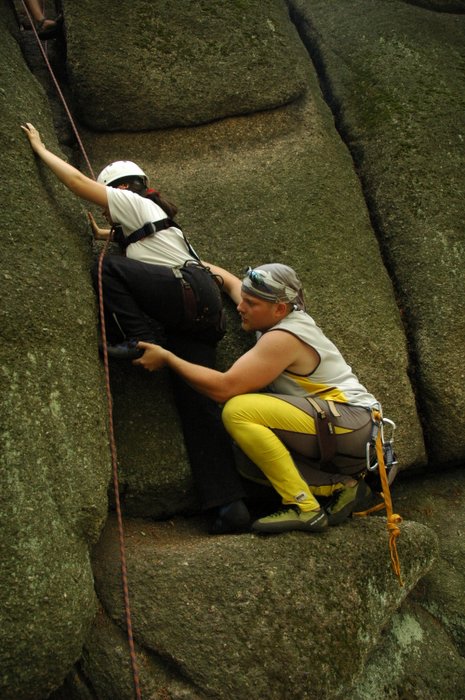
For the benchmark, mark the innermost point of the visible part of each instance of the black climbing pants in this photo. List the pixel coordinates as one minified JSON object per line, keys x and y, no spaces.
{"x":136,"y":293}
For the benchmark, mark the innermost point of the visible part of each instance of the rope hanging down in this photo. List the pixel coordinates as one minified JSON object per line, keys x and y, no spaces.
{"x":114,"y":462}
{"x":393,"y":519}
{"x":114,"y":458}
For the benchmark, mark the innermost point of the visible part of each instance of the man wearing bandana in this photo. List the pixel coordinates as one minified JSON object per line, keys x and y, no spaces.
{"x":291,"y":403}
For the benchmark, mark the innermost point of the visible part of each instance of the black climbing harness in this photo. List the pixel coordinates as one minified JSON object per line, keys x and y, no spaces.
{"x":149,"y":229}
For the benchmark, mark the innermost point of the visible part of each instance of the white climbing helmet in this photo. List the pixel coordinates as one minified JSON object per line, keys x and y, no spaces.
{"x":119,"y":170}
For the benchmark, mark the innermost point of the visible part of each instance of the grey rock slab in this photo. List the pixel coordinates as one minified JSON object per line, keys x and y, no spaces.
{"x":288,"y":616}
{"x":155,"y":64}
{"x":393,"y":73}
{"x":54,"y":463}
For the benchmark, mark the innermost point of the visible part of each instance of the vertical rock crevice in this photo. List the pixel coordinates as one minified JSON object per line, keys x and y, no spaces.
{"x":311,"y":41}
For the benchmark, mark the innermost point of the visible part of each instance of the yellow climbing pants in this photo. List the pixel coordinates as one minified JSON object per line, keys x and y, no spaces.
{"x":268,"y":427}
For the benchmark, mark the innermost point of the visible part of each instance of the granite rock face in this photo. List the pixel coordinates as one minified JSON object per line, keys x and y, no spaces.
{"x":54,"y":462}
{"x":253,"y":617}
{"x":399,"y":98}
{"x":338,"y":152}
{"x":188,"y":62}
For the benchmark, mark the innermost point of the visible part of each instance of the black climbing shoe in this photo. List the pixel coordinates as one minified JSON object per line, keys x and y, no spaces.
{"x":230,"y":518}
{"x":126,"y":350}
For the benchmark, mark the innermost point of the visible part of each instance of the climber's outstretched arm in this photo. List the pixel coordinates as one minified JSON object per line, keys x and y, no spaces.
{"x":71,"y":177}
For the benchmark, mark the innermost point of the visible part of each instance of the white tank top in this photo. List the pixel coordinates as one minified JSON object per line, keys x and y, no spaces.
{"x":332,"y":380}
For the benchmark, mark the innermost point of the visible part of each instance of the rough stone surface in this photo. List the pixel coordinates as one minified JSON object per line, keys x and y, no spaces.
{"x":225,"y":609}
{"x":399,"y":98}
{"x":421,"y":653}
{"x":190,"y":61}
{"x":106,"y":661}
{"x":54,"y":460}
{"x":439,"y":502}
{"x":271,"y":185}
{"x":411,"y":659}
{"x":155,"y":478}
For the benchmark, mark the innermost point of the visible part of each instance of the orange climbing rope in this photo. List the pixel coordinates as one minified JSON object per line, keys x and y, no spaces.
{"x":112,"y":441}
{"x":393,"y":519}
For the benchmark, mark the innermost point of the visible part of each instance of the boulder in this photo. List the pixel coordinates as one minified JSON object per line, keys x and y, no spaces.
{"x":251,"y":617}
{"x":189,"y":62}
{"x":418,"y":652}
{"x":54,"y":462}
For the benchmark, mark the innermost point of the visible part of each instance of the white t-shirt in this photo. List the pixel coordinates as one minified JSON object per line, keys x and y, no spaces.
{"x":132,"y":211}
